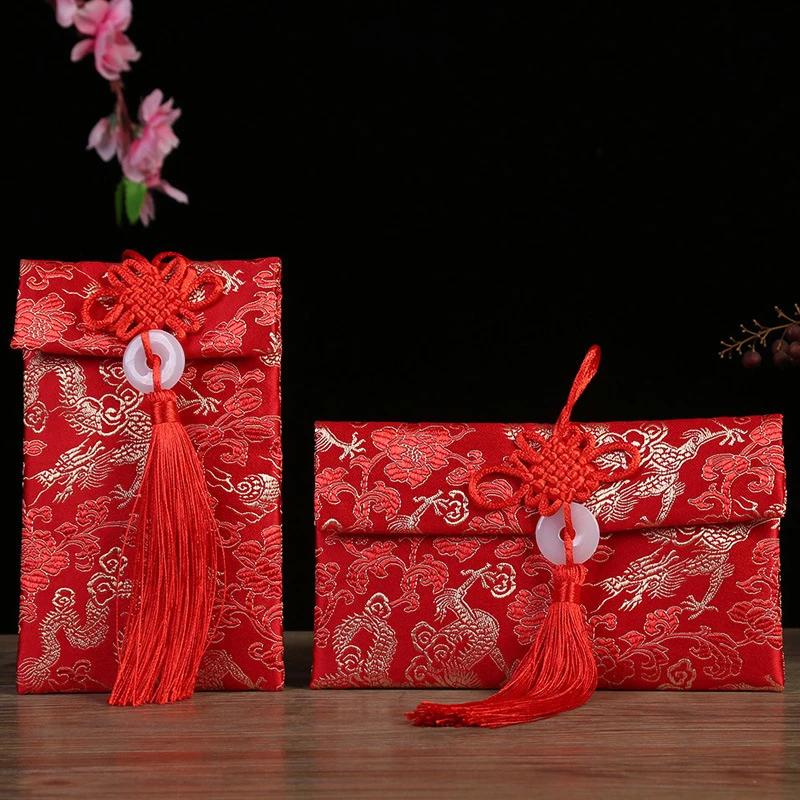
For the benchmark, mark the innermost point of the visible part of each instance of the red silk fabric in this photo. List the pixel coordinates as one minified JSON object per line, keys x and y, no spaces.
{"x":418,"y":587}
{"x":86,"y":437}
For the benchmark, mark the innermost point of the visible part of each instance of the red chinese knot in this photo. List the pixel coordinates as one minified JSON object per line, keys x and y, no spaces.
{"x":559,"y":670}
{"x":563,"y":469}
{"x":144,"y":295}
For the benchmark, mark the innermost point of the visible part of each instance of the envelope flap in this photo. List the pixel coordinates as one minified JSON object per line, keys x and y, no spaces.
{"x":243,"y":322}
{"x":383,"y":478}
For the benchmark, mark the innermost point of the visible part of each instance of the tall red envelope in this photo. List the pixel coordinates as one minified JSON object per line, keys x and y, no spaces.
{"x":85,"y":442}
{"x":418,"y":587}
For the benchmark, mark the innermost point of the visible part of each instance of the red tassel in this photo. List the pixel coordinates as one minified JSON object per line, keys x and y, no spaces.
{"x":174,"y":569}
{"x":558,"y":672}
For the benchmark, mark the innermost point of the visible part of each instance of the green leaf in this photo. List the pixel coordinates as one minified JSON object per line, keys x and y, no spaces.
{"x":135,"y":195}
{"x":119,"y":197}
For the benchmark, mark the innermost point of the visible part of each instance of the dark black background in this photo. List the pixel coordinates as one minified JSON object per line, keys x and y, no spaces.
{"x":464,"y":201}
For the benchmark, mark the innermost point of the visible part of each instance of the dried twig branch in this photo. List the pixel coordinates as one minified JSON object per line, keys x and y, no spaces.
{"x":761,"y":333}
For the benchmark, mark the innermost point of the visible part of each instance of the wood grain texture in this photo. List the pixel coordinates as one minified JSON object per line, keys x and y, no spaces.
{"x":357,"y":743}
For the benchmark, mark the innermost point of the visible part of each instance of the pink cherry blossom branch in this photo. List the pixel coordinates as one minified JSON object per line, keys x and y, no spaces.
{"x":140,"y":146}
{"x":124,"y":121}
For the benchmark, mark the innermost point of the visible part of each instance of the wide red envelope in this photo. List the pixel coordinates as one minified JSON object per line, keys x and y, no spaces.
{"x":417,"y":587}
{"x":85,"y":442}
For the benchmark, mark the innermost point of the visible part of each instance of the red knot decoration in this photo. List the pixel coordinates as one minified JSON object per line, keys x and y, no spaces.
{"x":560,"y":469}
{"x":559,"y":670}
{"x":177,"y":559}
{"x":142,"y":295}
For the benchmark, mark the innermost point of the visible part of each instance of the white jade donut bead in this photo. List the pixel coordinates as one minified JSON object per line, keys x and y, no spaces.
{"x":587,"y":535}
{"x":173,"y":360}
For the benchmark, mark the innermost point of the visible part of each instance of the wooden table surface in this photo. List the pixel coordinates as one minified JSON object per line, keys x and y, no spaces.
{"x":357,"y":743}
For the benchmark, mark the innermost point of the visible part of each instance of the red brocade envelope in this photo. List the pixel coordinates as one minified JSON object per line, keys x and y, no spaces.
{"x":417,"y":586}
{"x":87,"y":432}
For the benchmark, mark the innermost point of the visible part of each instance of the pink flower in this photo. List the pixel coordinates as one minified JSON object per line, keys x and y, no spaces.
{"x":106,"y":138}
{"x":104,"y":22}
{"x":145,"y":158}
{"x":65,"y":12}
{"x":157,"y":182}
{"x":157,"y":117}
{"x":148,"y":211}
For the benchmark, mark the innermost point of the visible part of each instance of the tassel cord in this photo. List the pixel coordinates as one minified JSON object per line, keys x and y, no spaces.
{"x":559,"y":670}
{"x":175,"y":566}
